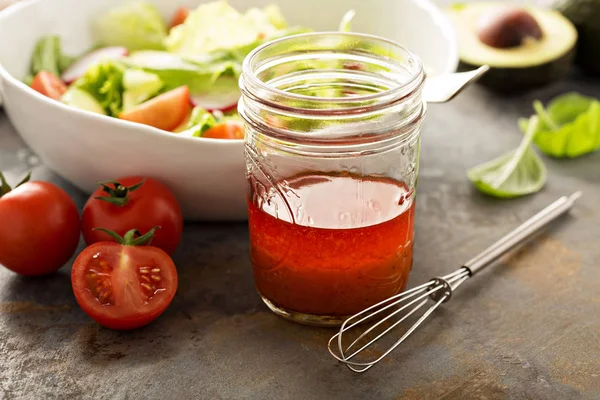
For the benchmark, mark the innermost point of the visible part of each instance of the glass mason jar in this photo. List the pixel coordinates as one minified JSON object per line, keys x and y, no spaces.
{"x":332,"y":143}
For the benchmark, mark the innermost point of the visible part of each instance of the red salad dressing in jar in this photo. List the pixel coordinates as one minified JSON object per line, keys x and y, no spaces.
{"x":334,"y":263}
{"x":331,"y":175}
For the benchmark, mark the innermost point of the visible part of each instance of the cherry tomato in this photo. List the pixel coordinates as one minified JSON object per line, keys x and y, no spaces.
{"x":133,"y":202}
{"x":49,"y":85}
{"x":179,"y":17}
{"x":121,"y":285}
{"x":166,"y":111}
{"x":226,"y":130}
{"x":39,"y":231}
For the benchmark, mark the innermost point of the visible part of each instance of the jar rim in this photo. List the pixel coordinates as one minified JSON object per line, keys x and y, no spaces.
{"x":412,"y":83}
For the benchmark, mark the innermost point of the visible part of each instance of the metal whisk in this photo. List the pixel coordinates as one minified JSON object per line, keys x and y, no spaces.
{"x":389,"y":313}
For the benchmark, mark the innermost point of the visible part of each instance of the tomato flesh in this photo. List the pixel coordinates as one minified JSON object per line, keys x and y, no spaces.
{"x":227,"y":130}
{"x":166,"y":111}
{"x":49,"y":85}
{"x":123,"y":287}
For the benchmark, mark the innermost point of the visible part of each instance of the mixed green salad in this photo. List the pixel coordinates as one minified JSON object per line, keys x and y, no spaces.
{"x":180,"y":76}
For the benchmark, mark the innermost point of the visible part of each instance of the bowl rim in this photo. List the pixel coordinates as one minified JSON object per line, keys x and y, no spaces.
{"x":434,"y":11}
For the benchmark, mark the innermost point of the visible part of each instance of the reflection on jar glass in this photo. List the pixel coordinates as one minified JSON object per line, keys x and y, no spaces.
{"x":332,"y":149}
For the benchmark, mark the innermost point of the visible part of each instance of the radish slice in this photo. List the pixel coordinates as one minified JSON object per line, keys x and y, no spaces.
{"x":78,"y":68}
{"x":223,"y":101}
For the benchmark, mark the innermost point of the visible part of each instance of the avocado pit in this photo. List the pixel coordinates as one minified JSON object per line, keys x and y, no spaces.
{"x":508,"y":28}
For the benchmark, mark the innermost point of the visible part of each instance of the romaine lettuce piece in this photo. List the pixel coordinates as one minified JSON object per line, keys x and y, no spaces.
{"x":104,"y":81}
{"x":48,"y":56}
{"x":175,"y":71}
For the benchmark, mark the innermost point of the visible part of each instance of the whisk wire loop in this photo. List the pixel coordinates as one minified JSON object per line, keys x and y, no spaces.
{"x":438,"y":290}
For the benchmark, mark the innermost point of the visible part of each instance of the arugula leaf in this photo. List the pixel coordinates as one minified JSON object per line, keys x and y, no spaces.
{"x":104,"y":81}
{"x":517,"y":173}
{"x":569,"y":127}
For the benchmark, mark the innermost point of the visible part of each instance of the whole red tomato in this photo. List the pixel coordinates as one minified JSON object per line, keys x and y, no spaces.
{"x":123,"y":286}
{"x":39,"y":229}
{"x":133,"y":203}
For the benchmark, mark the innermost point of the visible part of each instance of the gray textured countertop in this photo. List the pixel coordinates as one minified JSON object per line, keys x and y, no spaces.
{"x":528,"y":328}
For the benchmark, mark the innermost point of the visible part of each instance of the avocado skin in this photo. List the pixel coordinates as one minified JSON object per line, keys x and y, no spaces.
{"x":519,"y":80}
{"x":585,"y":15}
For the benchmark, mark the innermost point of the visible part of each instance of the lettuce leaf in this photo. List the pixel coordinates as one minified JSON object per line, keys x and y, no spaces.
{"x":517,"y":173}
{"x":104,"y":81}
{"x":569,"y":127}
{"x":200,"y":121}
{"x":136,"y":26}
{"x":173,"y":70}
{"x":139,"y":86}
{"x":218,"y":26}
{"x":48,"y":56}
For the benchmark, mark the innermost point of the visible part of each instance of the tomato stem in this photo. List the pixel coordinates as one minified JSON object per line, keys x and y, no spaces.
{"x":117,"y":194}
{"x":130,"y":239}
{"x":5,"y":187}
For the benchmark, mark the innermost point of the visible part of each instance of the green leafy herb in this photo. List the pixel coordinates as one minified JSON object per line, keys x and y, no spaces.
{"x":517,"y":173}
{"x":136,"y":26}
{"x":104,"y":81}
{"x":48,"y":56}
{"x":569,"y":127}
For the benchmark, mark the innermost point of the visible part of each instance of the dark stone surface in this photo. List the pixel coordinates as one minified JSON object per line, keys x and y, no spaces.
{"x":527,"y":328}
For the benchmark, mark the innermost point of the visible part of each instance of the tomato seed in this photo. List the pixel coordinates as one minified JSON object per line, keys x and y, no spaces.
{"x":144,"y":277}
{"x":156,"y":270}
{"x":103,"y":264}
{"x":155,"y":278}
{"x":144,"y":271}
{"x":147,"y":287}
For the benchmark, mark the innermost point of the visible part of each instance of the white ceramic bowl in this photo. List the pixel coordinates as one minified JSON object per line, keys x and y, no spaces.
{"x":207,"y":175}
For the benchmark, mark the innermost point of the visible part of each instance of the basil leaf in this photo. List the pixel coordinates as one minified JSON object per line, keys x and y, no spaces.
{"x":517,"y":173}
{"x":570,"y":126}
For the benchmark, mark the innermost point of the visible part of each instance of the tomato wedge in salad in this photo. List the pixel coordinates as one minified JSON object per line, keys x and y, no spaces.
{"x":49,"y":85}
{"x":226,"y":130}
{"x":166,"y":111}
{"x":122,"y":286}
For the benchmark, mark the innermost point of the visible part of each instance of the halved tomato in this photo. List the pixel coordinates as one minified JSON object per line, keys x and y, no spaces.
{"x":179,"y":17}
{"x":122,"y":286}
{"x":49,"y":85}
{"x":166,"y":111}
{"x":226,"y":130}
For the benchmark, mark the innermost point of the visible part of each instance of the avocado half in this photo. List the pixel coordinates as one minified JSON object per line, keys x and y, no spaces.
{"x":531,"y":63}
{"x":585,"y":15}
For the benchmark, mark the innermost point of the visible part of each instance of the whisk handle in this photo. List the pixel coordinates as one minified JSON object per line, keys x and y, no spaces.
{"x":520,"y":234}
